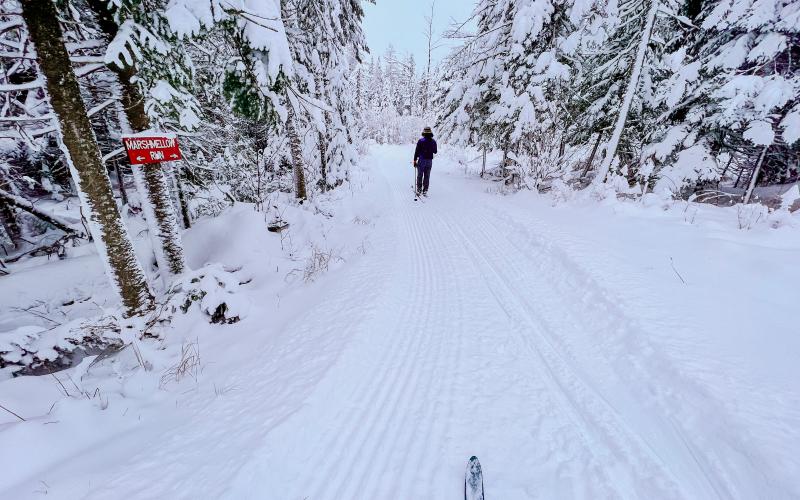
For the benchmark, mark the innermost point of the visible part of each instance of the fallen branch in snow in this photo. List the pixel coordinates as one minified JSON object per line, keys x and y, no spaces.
{"x":11,"y":412}
{"x":672,"y":263}
{"x":39,"y":315}
{"x":58,"y":248}
{"x":28,"y":206}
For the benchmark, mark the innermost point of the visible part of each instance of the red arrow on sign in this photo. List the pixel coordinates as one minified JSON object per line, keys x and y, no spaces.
{"x":150,"y":148}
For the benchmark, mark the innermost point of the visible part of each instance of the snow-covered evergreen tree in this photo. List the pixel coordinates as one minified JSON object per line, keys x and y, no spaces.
{"x":392,"y":103}
{"x":733,"y":98}
{"x":326,"y":42}
{"x":505,"y":86}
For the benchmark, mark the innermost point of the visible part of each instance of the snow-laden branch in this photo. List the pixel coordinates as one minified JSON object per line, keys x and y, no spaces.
{"x":27,"y":118}
{"x":28,"y":206}
{"x":12,"y":87}
{"x":112,"y":154}
{"x":26,"y":134}
{"x":103,"y":105}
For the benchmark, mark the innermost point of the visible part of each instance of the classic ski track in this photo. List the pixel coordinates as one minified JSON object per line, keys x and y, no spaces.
{"x":388,"y":437}
{"x":388,"y":391}
{"x":442,"y":415}
{"x":442,"y":375}
{"x":716,"y":477}
{"x":584,"y":402}
{"x":425,"y":412}
{"x":391,"y":416}
{"x":375,"y":391}
{"x":406,"y":431}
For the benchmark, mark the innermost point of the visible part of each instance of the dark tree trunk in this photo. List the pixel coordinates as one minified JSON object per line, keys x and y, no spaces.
{"x":591,"y":155}
{"x":9,"y":221}
{"x":505,"y":162}
{"x":725,"y":170}
{"x":297,"y":155}
{"x":121,"y":183}
{"x":81,"y":150}
{"x":323,"y":161}
{"x":322,"y":139}
{"x":7,"y":215}
{"x":187,"y":220}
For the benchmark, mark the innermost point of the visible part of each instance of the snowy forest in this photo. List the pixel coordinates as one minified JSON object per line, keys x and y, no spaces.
{"x":613,"y":167}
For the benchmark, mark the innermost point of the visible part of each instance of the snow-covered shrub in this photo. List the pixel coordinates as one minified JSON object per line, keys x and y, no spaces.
{"x":561,"y":191}
{"x":782,"y":218}
{"x":749,"y":215}
{"x":213,"y":291}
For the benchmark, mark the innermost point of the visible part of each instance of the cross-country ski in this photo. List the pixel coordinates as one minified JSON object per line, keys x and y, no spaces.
{"x":215,"y":283}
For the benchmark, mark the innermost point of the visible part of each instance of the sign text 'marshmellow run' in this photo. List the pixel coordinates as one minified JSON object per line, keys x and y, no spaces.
{"x":151,"y":149}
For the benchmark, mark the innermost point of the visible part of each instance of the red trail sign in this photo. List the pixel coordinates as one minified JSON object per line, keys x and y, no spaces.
{"x":151,"y":148}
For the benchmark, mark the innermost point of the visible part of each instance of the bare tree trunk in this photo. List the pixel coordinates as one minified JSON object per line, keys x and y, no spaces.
{"x":739,"y":177}
{"x":591,"y":155}
{"x":754,"y":179}
{"x":8,"y":218}
{"x":297,"y":155}
{"x":323,"y":160}
{"x":121,"y":183}
{"x":322,"y":143}
{"x":483,"y":163}
{"x":150,"y":179}
{"x":83,"y":156}
{"x":725,"y":170}
{"x":187,"y":219}
{"x":429,"y":37}
{"x":505,"y":162}
{"x":611,"y":149}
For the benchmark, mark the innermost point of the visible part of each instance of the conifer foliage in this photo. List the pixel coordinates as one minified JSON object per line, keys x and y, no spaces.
{"x":645,"y":94}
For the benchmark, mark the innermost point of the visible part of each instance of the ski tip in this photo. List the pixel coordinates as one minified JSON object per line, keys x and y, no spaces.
{"x":473,"y":480}
{"x":474,"y":464}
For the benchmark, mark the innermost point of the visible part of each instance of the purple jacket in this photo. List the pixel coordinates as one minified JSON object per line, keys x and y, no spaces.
{"x":426,"y":148}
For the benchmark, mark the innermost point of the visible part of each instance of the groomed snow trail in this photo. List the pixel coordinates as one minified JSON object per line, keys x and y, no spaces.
{"x":481,"y":343}
{"x":460,"y":332}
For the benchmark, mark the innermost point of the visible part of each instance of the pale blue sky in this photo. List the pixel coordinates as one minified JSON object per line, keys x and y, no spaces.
{"x":401,"y":23}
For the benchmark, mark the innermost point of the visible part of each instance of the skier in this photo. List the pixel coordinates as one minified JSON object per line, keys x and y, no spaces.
{"x":423,"y":160}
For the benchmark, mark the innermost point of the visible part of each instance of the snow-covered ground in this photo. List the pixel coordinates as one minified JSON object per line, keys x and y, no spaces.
{"x":580,"y":348}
